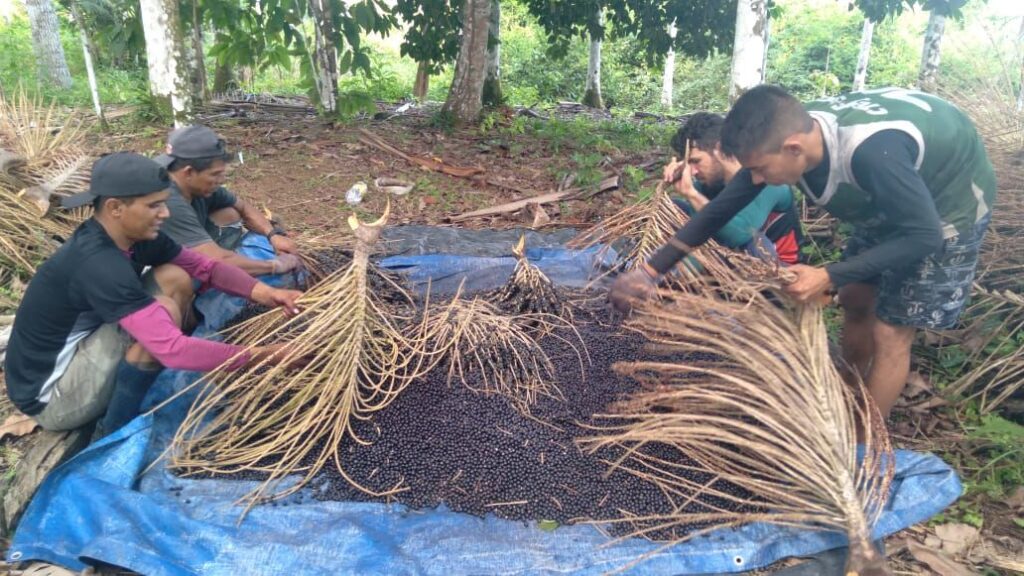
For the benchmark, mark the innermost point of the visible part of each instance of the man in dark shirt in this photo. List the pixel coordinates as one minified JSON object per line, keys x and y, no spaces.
{"x":88,"y":338}
{"x":205,"y":216}
{"x":906,"y":168}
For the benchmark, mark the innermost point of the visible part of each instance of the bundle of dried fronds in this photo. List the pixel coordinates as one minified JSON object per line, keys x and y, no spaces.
{"x":648,"y":225}
{"x":26,"y":238}
{"x":42,"y":150}
{"x":769,"y":414}
{"x":530,"y":291}
{"x":994,"y":330}
{"x":275,"y":421}
{"x":494,"y":353}
{"x":992,"y":105}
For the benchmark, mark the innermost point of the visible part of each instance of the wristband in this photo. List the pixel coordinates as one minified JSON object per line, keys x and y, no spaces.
{"x":276,"y":231}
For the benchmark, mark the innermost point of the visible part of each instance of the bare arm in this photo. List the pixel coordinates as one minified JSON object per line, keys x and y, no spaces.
{"x":255,"y":221}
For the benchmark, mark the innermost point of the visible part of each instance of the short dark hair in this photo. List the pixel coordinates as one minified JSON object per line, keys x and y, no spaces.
{"x":197,"y":164}
{"x":761,"y":120}
{"x":701,"y":129}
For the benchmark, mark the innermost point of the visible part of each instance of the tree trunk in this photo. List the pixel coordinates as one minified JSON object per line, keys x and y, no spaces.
{"x":325,"y":61}
{"x":493,"y":95}
{"x":167,"y":57}
{"x":861,"y":76}
{"x":223,"y":78}
{"x":592,"y":95}
{"x":87,"y":52}
{"x":42,"y":17}
{"x":465,"y":95}
{"x":419,"y":90}
{"x":668,"y":75}
{"x":749,"y":47}
{"x":200,"y":91}
{"x":932,"y":51}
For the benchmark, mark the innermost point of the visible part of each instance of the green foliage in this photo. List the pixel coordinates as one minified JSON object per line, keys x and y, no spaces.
{"x":814,"y":51}
{"x":878,"y":10}
{"x":705,"y":26}
{"x":18,"y":68}
{"x":434,"y":29}
{"x":115,"y":30}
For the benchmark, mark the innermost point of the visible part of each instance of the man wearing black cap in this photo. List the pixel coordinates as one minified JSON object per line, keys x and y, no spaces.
{"x":204,"y":215}
{"x":89,"y":338}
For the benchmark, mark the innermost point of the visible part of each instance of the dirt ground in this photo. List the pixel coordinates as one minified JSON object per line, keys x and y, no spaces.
{"x":299,"y":168}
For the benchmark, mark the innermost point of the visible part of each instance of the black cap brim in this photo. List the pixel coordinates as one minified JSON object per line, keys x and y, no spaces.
{"x":164,"y":160}
{"x":78,"y":200}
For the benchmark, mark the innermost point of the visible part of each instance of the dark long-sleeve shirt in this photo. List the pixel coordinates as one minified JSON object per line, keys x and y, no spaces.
{"x":883,"y":165}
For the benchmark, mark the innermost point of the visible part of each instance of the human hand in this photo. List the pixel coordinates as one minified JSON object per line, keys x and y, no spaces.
{"x":633,"y":286}
{"x":810,"y":282}
{"x":276,"y":354}
{"x":274,"y":297}
{"x":285,"y":263}
{"x":283,"y":244}
{"x":672,"y":169}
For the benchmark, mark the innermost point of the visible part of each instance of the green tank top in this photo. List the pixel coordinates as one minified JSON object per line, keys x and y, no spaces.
{"x":951,"y":157}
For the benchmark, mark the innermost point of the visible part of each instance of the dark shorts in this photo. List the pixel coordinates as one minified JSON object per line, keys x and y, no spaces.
{"x":227,"y":237}
{"x":931,"y":293}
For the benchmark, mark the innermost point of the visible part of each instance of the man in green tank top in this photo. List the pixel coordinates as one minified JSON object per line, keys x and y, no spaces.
{"x":906,"y":168}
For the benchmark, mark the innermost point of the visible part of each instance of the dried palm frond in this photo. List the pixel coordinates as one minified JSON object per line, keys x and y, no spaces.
{"x":992,"y":105}
{"x":38,"y":132}
{"x":63,"y":176}
{"x":646,"y":226}
{"x":768,"y":413}
{"x":275,"y":421}
{"x":995,"y":328}
{"x":26,"y":238}
{"x":494,"y":353}
{"x":530,"y":291}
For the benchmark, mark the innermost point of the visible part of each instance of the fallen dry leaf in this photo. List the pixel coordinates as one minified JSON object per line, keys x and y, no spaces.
{"x":937,"y":561}
{"x":956,"y":537}
{"x":17,"y":425}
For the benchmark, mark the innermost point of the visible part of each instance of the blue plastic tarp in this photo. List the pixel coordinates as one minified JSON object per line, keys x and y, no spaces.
{"x":108,"y":505}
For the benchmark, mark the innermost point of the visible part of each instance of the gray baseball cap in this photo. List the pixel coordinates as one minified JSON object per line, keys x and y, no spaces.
{"x":189,"y":142}
{"x":120,"y":175}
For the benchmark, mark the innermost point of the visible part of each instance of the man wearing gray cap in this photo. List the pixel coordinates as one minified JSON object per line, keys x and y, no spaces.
{"x":90,"y":336}
{"x":205,"y":216}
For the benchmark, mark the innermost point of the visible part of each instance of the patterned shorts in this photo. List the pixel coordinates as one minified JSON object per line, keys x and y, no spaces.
{"x":931,"y":293}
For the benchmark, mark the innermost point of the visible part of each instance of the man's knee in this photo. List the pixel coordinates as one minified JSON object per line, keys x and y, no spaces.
{"x":858,"y":302}
{"x":172,"y":306}
{"x":172,"y":280}
{"x":893,"y":338}
{"x":225,"y":216}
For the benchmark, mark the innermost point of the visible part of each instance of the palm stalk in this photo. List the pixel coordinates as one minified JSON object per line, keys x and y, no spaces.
{"x":277,"y":421}
{"x":491,"y":352}
{"x":529,"y":290}
{"x":768,"y":413}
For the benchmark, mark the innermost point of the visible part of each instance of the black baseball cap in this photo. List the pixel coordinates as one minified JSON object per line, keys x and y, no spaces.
{"x":121,"y":175}
{"x":194,"y":141}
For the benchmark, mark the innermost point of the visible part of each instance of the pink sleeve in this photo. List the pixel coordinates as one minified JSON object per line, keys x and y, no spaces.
{"x":153,"y":327}
{"x":220,"y":275}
